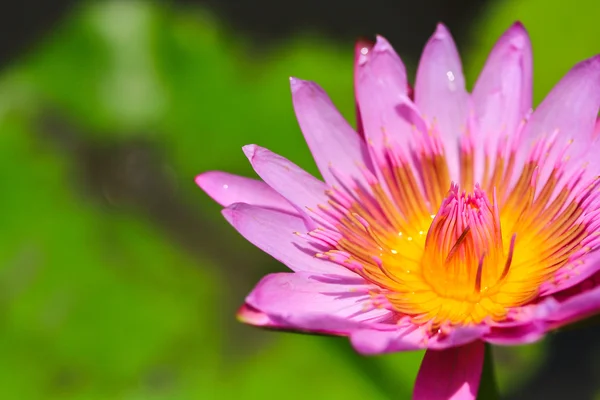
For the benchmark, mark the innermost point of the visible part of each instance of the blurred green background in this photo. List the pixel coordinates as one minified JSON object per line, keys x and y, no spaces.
{"x":118,"y":277}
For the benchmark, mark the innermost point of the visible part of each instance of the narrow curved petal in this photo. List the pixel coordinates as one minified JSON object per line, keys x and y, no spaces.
{"x":390,"y":338}
{"x":251,"y":316}
{"x":298,"y":186}
{"x":525,"y":333}
{"x":274,"y":233}
{"x":576,"y":308}
{"x":502,"y":95}
{"x":227,"y":189}
{"x":362,"y":47}
{"x":451,"y":374}
{"x":332,"y":141}
{"x":314,"y":303}
{"x":525,"y":324}
{"x":381,"y":93}
{"x":569,"y":111}
{"x":572,"y":274}
{"x":440,"y":92}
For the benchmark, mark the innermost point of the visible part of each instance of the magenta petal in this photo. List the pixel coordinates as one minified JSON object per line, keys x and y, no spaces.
{"x":572,"y":274}
{"x":332,"y":141}
{"x":227,"y":189}
{"x":251,"y":316}
{"x":390,"y":338}
{"x":361,"y":47}
{"x":576,"y":308}
{"x":525,"y":333}
{"x":273,"y":232}
{"x":381,"y":91}
{"x":570,"y":111}
{"x":502,"y":95}
{"x":440,"y":92}
{"x":526,"y":324}
{"x":292,"y":182}
{"x":315,"y":303}
{"x":451,"y":374}
{"x":503,"y":92}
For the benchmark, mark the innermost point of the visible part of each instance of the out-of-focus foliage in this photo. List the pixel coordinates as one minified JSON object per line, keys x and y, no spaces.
{"x":99,"y":301}
{"x":86,"y":307}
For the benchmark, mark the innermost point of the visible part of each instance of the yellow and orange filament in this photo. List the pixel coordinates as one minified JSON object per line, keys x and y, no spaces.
{"x":444,"y":254}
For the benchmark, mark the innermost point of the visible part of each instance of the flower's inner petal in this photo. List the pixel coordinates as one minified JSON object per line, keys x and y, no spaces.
{"x":465,"y":255}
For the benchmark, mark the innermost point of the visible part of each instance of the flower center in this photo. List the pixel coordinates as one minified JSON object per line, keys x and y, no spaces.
{"x":458,"y":257}
{"x":464,"y":258}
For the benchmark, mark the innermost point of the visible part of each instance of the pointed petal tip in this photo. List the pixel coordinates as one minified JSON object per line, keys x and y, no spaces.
{"x":235,"y":212}
{"x":518,"y":25}
{"x":517,"y":36}
{"x":250,"y":151}
{"x":251,"y":316}
{"x":296,"y":84}
{"x":362,"y":50}
{"x":381,"y":44}
{"x":441,"y":31}
{"x":208,"y":181}
{"x":363,"y":42}
{"x":229,"y":214}
{"x":203,"y":179}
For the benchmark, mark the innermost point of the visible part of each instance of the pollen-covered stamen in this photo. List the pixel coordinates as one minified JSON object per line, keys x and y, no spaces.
{"x":464,"y":254}
{"x":509,"y":257}
{"x":467,"y":255}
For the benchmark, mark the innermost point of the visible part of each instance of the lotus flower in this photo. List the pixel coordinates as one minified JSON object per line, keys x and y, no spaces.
{"x":447,"y":220}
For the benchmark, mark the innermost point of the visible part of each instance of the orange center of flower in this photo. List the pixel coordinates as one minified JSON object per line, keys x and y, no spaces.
{"x":457,"y":256}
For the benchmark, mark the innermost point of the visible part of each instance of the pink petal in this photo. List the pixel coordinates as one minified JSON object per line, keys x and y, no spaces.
{"x":381,"y":93}
{"x":570,"y":111}
{"x":503,"y":93}
{"x":525,"y":333}
{"x":390,"y":338}
{"x":251,"y":316}
{"x":315,"y":303}
{"x":292,"y":182}
{"x":332,"y":141}
{"x":440,"y":92}
{"x":273,"y":232}
{"x":451,"y":374}
{"x":361,"y":47}
{"x":576,"y":308}
{"x":573,"y":274}
{"x":526,"y":324}
{"x":227,"y":189}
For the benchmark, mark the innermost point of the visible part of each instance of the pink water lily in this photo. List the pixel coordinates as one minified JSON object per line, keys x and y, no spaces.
{"x":449,"y":219}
